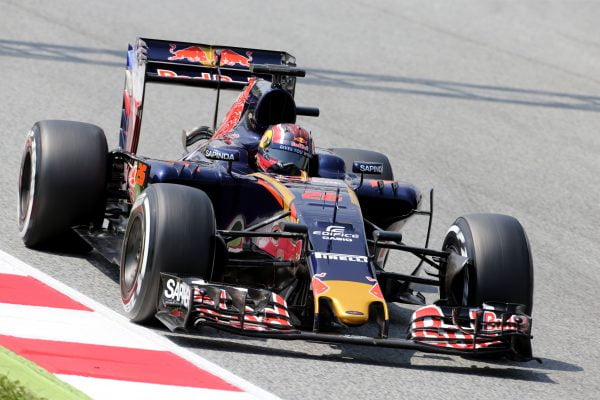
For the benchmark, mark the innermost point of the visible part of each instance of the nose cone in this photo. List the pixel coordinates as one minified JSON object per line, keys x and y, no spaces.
{"x":351,"y":300}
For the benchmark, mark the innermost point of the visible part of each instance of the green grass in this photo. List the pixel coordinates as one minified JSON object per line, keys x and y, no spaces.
{"x":12,"y":390}
{"x":20,"y":379}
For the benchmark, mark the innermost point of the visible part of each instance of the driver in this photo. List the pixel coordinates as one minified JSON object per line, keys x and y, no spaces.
{"x":285,"y":149}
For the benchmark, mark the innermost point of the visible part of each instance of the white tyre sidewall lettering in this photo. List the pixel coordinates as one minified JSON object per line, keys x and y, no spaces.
{"x":31,"y":143}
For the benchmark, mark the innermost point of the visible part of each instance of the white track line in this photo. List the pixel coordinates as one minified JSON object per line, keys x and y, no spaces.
{"x":109,"y":389}
{"x":46,"y":323}
{"x":7,"y":265}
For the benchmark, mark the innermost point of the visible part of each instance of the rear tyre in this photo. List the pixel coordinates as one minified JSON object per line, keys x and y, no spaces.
{"x":502,"y":268}
{"x":62,"y":179}
{"x":351,"y":155}
{"x":171,"y":228}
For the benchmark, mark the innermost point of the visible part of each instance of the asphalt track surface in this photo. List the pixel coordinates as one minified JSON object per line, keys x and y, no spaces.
{"x":496,"y":104}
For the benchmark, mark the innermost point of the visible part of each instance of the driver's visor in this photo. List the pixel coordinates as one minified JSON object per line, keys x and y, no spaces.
{"x":286,"y":157}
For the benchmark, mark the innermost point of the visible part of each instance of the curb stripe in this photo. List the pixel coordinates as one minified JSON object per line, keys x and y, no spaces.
{"x":28,"y":291}
{"x":28,"y":327}
{"x":68,"y":326}
{"x":118,"y":363}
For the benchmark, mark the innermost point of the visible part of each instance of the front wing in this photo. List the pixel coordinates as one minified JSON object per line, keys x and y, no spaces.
{"x":496,"y":328}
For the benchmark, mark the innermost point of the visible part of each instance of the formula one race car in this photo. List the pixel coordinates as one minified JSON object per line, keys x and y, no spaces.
{"x":211,"y":240}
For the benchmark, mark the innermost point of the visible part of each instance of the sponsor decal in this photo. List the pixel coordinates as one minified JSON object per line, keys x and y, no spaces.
{"x":214,"y":154}
{"x":289,"y":148}
{"x":195,"y":54}
{"x":136,"y":178}
{"x":363,"y":167}
{"x":300,"y":145}
{"x":178,"y":291}
{"x":336,"y":232}
{"x":354,"y":312}
{"x":371,"y":168}
{"x":165,"y":73}
{"x":206,"y":56}
{"x":140,"y":176}
{"x":341,"y":257}
{"x":231,"y":58}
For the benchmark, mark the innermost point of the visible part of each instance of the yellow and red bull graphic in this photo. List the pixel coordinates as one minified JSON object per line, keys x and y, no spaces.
{"x":350,"y":301}
{"x":208,"y":56}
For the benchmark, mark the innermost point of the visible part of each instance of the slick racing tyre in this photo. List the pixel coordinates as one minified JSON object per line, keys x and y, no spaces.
{"x":62,"y":179}
{"x":171,"y":228}
{"x":501,"y":268}
{"x":351,"y":155}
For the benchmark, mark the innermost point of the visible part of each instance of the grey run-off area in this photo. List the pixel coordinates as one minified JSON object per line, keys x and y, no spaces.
{"x":496,"y":104}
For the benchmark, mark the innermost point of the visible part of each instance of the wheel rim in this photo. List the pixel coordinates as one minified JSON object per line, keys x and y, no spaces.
{"x":465,"y":289}
{"x":25,"y":188}
{"x":132,"y":259}
{"x":461,"y":294}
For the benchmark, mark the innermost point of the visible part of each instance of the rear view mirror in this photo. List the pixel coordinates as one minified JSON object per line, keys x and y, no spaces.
{"x":194,"y":135}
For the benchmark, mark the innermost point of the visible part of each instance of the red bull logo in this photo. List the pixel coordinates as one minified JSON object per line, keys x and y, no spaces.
{"x":231,"y":58}
{"x":195,"y":54}
{"x":206,"y":56}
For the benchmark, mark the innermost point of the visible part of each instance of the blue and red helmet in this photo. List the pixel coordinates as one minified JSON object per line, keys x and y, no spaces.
{"x":285,"y":149}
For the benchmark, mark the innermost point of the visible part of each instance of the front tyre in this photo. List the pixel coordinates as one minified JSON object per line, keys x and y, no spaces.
{"x":62,"y":179}
{"x":171,"y":228}
{"x":501,"y":269}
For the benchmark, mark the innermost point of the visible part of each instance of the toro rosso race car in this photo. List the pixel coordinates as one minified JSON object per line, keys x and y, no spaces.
{"x":212,"y":240}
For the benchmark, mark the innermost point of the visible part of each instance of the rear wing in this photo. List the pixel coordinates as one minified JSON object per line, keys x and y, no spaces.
{"x":196,"y":64}
{"x":203,"y":65}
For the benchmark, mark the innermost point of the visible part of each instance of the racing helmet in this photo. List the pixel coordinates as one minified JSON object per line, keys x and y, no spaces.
{"x":285,"y":149}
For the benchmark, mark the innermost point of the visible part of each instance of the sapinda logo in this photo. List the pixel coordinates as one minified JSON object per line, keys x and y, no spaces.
{"x":371,"y":168}
{"x":367,"y":167}
{"x":178,"y":291}
{"x":219,"y":155}
{"x":336,"y":232}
